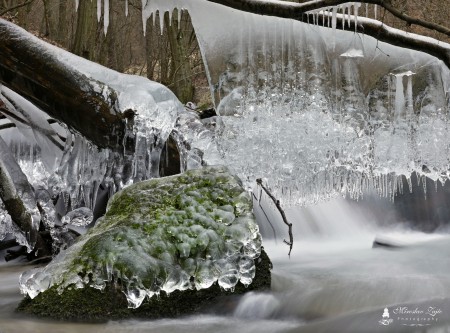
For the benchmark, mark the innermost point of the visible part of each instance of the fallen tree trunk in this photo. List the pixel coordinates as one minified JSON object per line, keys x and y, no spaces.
{"x":88,"y":106}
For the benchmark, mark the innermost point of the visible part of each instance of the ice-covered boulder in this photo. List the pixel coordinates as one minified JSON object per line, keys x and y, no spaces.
{"x":188,"y":237}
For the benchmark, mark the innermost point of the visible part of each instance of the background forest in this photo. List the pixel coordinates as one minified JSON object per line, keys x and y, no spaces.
{"x":171,"y":56}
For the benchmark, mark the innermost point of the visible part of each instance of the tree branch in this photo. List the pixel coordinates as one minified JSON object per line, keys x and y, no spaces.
{"x":8,"y":113}
{"x":283,"y":215}
{"x":14,"y":205}
{"x":374,"y":28}
{"x":386,"y":4}
{"x":16,"y":7}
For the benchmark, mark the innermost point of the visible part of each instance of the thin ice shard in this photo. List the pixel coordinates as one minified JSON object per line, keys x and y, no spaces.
{"x":99,"y":10}
{"x":105,"y":16}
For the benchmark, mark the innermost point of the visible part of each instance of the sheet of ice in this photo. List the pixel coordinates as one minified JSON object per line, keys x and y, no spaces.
{"x":65,"y":165}
{"x":318,"y":111}
{"x":313,"y":110}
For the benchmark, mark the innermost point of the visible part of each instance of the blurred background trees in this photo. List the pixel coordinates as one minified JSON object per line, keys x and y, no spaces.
{"x":169,"y":55}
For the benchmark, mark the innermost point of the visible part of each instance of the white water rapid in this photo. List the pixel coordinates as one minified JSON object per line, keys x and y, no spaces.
{"x":333,"y":281}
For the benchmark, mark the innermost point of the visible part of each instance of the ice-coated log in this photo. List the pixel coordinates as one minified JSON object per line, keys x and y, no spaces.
{"x":32,"y":70}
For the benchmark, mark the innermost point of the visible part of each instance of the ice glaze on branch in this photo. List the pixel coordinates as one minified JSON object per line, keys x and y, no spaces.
{"x":386,"y":4}
{"x":374,"y":28}
{"x":62,"y":92}
{"x":12,"y":201}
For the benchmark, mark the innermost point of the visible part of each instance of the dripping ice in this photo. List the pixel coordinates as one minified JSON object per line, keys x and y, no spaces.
{"x":319,"y":111}
{"x":314,"y":112}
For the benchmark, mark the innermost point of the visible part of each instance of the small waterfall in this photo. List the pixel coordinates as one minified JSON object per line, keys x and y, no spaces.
{"x":318,"y":111}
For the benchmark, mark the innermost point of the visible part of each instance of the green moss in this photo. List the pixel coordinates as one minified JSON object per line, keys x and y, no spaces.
{"x":165,"y":234}
{"x":89,"y":304}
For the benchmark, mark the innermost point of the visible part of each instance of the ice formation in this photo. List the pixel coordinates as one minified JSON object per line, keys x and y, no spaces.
{"x":65,"y":170}
{"x":317,"y":111}
{"x":173,"y":233}
{"x":312,"y":110}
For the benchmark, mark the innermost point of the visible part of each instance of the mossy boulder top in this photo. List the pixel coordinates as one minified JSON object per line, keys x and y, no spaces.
{"x":174,"y":233}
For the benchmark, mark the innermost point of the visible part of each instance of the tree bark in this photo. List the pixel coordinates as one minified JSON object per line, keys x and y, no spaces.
{"x":64,"y":93}
{"x":181,"y":76}
{"x":84,"y":43}
{"x":62,"y":23}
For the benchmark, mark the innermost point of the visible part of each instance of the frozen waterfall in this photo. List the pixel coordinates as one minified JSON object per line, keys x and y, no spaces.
{"x":316,"y":111}
{"x":313,"y":110}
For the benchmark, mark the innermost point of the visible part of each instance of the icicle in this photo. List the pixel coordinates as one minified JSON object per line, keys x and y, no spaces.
{"x":400,"y":184}
{"x":356,"y":9}
{"x":105,"y":16}
{"x":344,"y":16}
{"x":77,"y":2}
{"x":179,"y":18}
{"x":375,"y":9}
{"x":399,"y":97}
{"x":367,"y":10}
{"x":99,"y":10}
{"x":145,"y":16}
{"x":161,"y":21}
{"x":170,"y":17}
{"x":328,"y":17}
{"x":126,"y":8}
{"x":409,"y":97}
{"x":349,"y":14}
{"x":333,"y":25}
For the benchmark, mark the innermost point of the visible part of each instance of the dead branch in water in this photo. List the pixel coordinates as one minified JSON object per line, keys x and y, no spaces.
{"x":283,"y":215}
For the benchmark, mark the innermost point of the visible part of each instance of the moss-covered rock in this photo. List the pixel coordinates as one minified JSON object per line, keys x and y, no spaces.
{"x":175,"y":242}
{"x":90,"y":304}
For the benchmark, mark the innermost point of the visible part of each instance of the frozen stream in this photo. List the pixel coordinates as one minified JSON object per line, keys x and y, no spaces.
{"x":334,"y":282}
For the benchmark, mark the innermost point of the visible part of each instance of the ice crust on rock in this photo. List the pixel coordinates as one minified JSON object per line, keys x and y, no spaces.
{"x":174,"y":233}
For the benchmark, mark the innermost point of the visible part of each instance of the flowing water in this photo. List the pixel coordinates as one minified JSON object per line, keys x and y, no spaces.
{"x":338,"y":113}
{"x":334,"y":280}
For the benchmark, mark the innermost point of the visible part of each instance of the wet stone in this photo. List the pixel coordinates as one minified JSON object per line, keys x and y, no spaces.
{"x":162,"y":244}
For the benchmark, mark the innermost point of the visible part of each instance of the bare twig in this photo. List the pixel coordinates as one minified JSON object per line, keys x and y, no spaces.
{"x":265,"y":214}
{"x":283,"y":215}
{"x":16,"y":7}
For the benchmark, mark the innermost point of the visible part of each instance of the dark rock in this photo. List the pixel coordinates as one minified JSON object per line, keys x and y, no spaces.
{"x":92,"y":305}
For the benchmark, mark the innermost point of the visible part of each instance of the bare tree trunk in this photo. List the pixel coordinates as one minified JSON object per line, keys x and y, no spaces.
{"x":49,"y":21}
{"x":181,"y":75}
{"x":62,"y":23}
{"x":85,"y":39}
